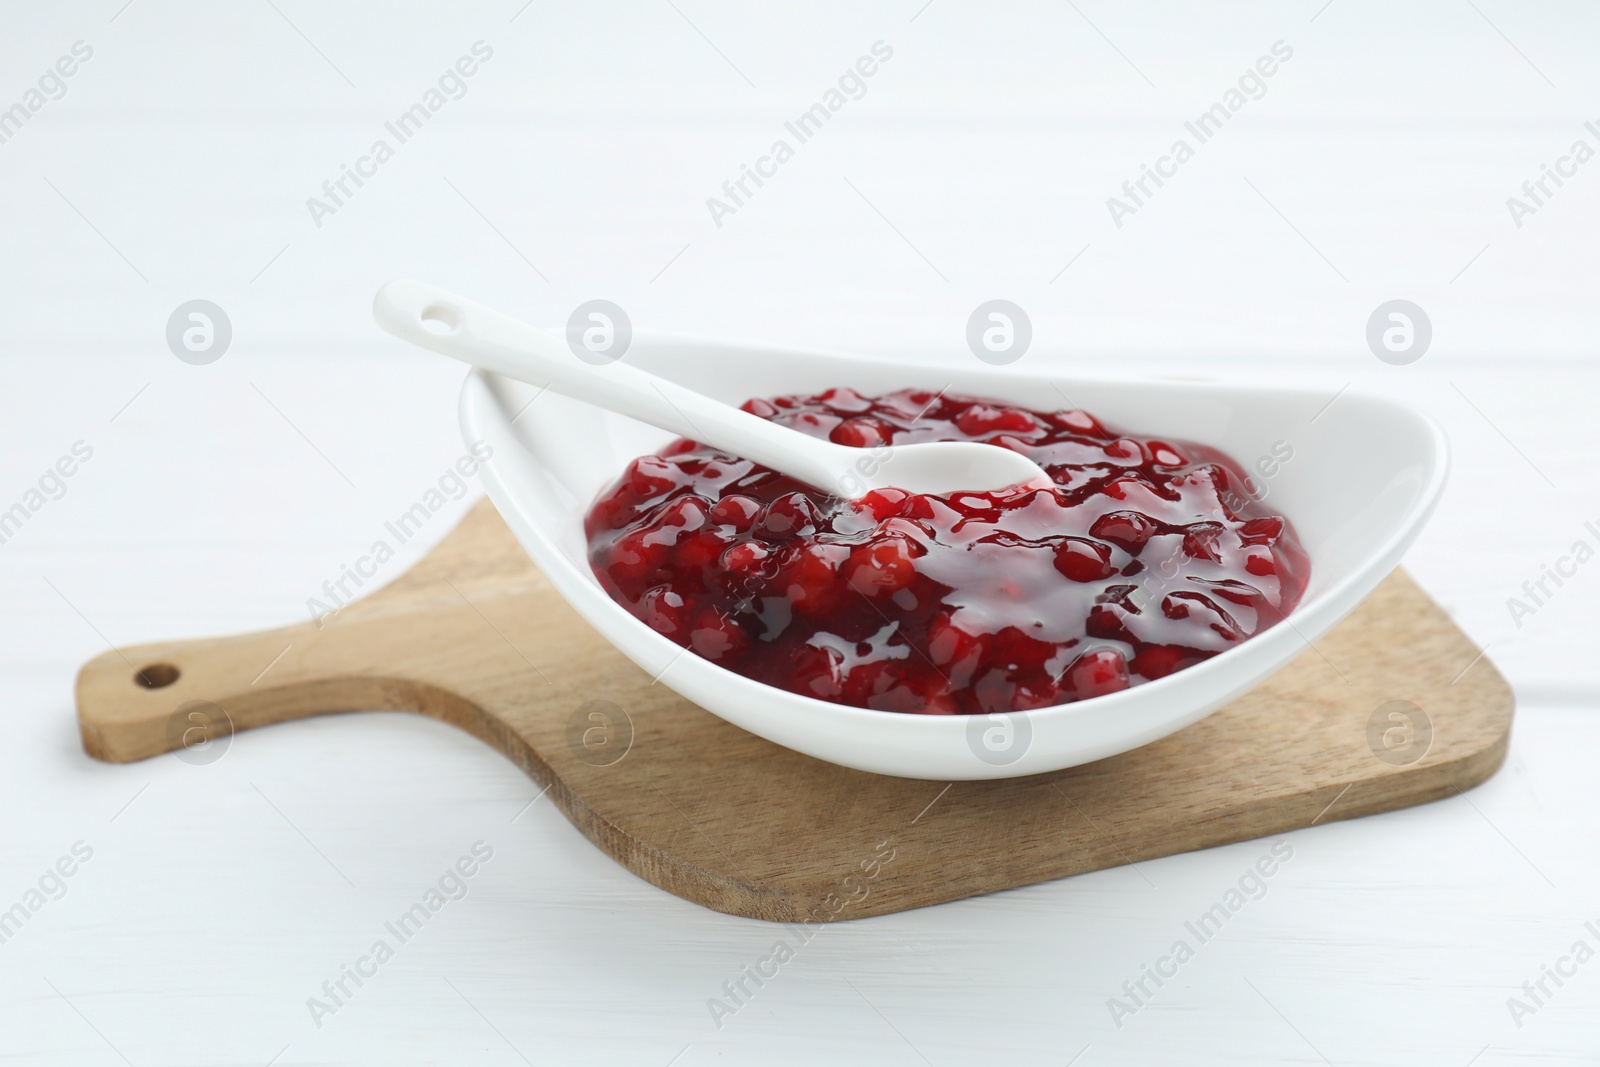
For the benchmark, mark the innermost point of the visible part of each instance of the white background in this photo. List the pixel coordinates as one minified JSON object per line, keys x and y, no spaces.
{"x":577,"y":166}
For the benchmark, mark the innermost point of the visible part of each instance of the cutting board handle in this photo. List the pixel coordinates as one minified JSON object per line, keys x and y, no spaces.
{"x":144,"y":700}
{"x":383,"y":651}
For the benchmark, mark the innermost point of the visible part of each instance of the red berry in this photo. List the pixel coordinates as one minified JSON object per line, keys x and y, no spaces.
{"x":995,"y":691}
{"x":881,"y":567}
{"x":940,"y":702}
{"x":701,"y":550}
{"x":818,"y":672}
{"x":1108,"y":622}
{"x":1164,"y":455}
{"x":650,"y":476}
{"x":736,"y":511}
{"x":1128,"y":530}
{"x":662,"y":610}
{"x":685,"y":514}
{"x":953,"y":650}
{"x":917,"y":403}
{"x":632,"y":557}
{"x":1201,"y":541}
{"x":716,"y":636}
{"x":860,"y":432}
{"x":1263,"y":531}
{"x":1126,"y":450}
{"x":1236,"y":592}
{"x":811,"y":581}
{"x":1037,"y":690}
{"x":903,"y":685}
{"x":1013,"y":443}
{"x":932,"y":509}
{"x":1097,"y":672}
{"x":1212,"y":480}
{"x":1082,"y":560}
{"x":1158,"y":661}
{"x":1079,"y":422}
{"x":1191,"y":604}
{"x":980,"y":419}
{"x":1260,"y":561}
{"x":791,"y":515}
{"x":747,"y":558}
{"x":1015,"y":650}
{"x":883,"y":503}
{"x":845,"y":401}
{"x":1136,"y":492}
{"x":917,"y":535}
{"x":814,"y":423}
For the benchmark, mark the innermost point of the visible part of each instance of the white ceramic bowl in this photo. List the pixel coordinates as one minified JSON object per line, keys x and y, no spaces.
{"x":1364,"y":475}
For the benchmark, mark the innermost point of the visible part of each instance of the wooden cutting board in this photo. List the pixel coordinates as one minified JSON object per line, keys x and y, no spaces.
{"x":1394,"y":707}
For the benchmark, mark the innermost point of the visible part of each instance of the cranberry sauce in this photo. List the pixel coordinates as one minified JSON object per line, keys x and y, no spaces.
{"x":1148,"y":556}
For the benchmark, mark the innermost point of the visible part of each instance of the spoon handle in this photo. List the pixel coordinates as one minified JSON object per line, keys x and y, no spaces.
{"x":454,"y":326}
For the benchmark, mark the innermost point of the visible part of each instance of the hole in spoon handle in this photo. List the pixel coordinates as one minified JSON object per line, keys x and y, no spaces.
{"x":440,"y":318}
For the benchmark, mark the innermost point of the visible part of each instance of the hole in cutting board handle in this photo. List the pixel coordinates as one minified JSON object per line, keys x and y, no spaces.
{"x":156,"y":676}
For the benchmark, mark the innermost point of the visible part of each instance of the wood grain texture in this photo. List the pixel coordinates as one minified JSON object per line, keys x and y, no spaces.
{"x":473,"y":635}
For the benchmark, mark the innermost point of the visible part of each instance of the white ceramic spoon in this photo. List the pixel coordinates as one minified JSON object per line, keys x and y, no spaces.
{"x":453,"y":326}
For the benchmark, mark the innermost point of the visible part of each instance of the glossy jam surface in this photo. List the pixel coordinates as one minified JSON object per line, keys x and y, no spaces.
{"x":1148,"y":556}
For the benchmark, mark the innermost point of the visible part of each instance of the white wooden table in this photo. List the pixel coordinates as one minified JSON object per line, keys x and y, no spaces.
{"x":176,"y":165}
